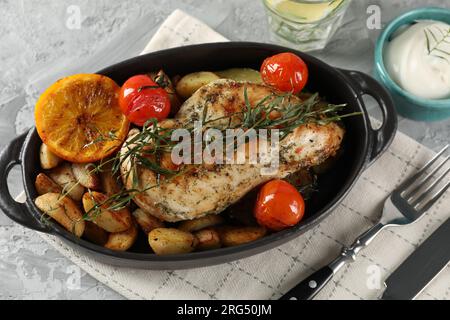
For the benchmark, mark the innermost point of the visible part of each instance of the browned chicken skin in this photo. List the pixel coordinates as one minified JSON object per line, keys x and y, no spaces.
{"x":210,"y":189}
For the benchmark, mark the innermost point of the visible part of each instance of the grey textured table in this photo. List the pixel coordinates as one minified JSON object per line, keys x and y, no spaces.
{"x":37,"y":35}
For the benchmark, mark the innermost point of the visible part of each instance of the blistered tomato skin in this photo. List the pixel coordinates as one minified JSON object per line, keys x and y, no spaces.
{"x":286,"y":72}
{"x":279,"y":205}
{"x":141,"y":99}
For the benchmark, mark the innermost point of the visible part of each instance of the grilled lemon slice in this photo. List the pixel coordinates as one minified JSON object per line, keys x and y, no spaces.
{"x":79,"y":118}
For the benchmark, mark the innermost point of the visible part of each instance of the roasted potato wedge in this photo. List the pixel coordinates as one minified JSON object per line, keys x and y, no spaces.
{"x":166,"y":241}
{"x":122,"y":241}
{"x":200,"y":223}
{"x":45,"y":185}
{"x":110,"y":220}
{"x":234,"y":236}
{"x":146,"y":221}
{"x":95,"y":234}
{"x":241,"y":74}
{"x":110,"y":183}
{"x":63,"y":210}
{"x":208,"y":239}
{"x":63,"y":176}
{"x":47,"y":158}
{"x":84,"y":174}
{"x":193,"y":81}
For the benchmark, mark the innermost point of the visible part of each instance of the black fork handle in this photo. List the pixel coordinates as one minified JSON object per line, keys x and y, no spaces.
{"x":18,"y":212}
{"x":380,"y":140}
{"x":311,"y":286}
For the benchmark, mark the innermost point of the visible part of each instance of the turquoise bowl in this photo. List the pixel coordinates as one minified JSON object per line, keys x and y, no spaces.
{"x":407,"y":104}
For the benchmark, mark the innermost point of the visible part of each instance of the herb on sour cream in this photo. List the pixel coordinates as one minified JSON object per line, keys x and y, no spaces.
{"x":418,"y":59}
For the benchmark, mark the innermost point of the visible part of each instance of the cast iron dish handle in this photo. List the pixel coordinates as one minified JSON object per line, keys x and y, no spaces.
{"x":381,"y":139}
{"x":383,"y":136}
{"x":18,"y":212}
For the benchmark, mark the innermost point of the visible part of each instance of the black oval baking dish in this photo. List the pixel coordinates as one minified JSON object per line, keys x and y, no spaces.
{"x":362,"y":145}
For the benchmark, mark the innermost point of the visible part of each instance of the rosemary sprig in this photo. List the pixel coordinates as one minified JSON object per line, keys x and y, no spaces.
{"x":120,"y":200}
{"x":436,"y":49}
{"x":147,"y":146}
{"x":289,"y":115}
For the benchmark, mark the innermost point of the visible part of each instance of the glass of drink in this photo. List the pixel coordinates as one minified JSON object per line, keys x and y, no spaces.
{"x":305,"y":25}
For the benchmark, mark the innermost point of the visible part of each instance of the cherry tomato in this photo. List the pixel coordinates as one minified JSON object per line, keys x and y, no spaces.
{"x":141,"y":99}
{"x":279,"y":205}
{"x":286,"y":72}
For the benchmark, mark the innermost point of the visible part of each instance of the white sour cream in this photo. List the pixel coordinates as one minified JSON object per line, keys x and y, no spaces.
{"x":415,"y":66}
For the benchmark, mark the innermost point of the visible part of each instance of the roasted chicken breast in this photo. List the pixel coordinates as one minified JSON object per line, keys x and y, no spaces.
{"x":209,"y":189}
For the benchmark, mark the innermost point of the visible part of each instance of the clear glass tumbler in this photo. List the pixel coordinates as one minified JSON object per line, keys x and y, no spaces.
{"x":305,"y":25}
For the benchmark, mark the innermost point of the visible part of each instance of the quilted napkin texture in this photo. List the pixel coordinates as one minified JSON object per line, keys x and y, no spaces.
{"x":270,"y":274}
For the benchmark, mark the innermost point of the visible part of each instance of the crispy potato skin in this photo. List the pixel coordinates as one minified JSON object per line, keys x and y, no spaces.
{"x":122,"y":241}
{"x":63,"y":176}
{"x":63,"y":210}
{"x":45,"y":185}
{"x":84,"y":174}
{"x":111,"y":221}
{"x":208,"y":239}
{"x":200,"y":223}
{"x":109,"y":183}
{"x":234,"y":236}
{"x":165,"y":241}
{"x":146,"y":221}
{"x":48,"y":159}
{"x":194,"y":81}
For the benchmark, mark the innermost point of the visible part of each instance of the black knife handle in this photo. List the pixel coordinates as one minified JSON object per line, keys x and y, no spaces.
{"x":308,"y":288}
{"x":421,"y":267}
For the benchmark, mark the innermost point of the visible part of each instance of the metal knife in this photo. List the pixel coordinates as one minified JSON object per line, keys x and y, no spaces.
{"x":421,"y":267}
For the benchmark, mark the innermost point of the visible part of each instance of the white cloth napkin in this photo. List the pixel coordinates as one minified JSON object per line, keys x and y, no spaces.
{"x":181,"y":29}
{"x":270,"y":274}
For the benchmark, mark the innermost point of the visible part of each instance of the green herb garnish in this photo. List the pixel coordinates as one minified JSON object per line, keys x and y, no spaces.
{"x":436,"y":49}
{"x":146,"y":147}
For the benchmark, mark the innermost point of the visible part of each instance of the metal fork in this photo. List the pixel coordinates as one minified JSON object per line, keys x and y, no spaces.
{"x":404,"y":205}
